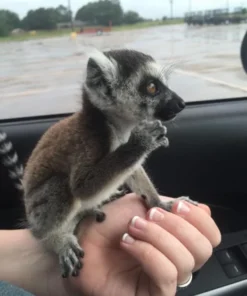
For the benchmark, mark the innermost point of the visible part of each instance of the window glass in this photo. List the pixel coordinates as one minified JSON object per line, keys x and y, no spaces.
{"x":44,"y":47}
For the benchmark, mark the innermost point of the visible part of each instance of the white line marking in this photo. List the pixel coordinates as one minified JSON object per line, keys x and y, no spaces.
{"x":27,"y":93}
{"x":212,"y":80}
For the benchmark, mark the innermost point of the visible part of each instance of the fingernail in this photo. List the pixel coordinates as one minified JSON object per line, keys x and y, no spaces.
{"x":182,"y":208}
{"x":155,"y":215}
{"x":138,"y":222}
{"x":128,"y":239}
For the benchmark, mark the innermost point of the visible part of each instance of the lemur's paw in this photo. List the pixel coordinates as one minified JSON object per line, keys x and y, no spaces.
{"x":151,"y":135}
{"x":70,"y":257}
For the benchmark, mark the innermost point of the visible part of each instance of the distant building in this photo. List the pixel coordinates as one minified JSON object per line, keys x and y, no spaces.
{"x":78,"y":24}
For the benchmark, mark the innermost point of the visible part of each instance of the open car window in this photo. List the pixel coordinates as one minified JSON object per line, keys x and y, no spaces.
{"x":44,"y":48}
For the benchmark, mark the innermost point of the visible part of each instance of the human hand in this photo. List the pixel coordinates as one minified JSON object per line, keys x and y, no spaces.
{"x":151,"y":261}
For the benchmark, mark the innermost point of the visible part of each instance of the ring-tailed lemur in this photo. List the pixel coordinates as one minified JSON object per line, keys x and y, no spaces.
{"x":82,"y":160}
{"x":10,"y":160}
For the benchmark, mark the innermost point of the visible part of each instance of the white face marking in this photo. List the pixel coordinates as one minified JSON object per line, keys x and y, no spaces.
{"x":156,"y":70}
{"x":108,"y":66}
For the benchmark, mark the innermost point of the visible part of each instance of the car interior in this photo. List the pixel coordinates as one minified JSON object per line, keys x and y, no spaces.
{"x":206,"y":160}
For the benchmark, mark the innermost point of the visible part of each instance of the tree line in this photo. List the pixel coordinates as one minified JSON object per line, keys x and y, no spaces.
{"x":94,"y":13}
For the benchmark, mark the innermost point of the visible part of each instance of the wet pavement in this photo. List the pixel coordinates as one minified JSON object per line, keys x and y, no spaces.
{"x":45,"y":76}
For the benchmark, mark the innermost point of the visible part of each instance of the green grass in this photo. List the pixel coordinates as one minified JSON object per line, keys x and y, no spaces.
{"x":66,"y":32}
{"x":39,"y":35}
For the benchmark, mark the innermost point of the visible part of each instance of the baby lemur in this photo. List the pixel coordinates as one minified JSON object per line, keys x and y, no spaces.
{"x":80,"y":162}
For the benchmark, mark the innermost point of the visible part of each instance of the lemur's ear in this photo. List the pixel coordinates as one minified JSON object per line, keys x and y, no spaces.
{"x":100,"y":68}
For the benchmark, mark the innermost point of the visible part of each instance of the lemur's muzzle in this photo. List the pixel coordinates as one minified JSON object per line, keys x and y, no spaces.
{"x":167,"y":110}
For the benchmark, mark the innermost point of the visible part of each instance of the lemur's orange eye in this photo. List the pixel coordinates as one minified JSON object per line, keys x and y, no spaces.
{"x":151,"y":88}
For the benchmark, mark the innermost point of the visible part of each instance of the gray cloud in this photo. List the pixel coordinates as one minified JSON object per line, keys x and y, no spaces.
{"x":146,"y":8}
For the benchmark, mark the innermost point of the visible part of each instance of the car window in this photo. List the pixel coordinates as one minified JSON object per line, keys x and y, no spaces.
{"x":44,"y":47}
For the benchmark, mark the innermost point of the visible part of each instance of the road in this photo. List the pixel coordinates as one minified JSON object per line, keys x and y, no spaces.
{"x":45,"y":76}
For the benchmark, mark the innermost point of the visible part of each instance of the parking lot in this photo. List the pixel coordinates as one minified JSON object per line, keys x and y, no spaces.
{"x":45,"y":76}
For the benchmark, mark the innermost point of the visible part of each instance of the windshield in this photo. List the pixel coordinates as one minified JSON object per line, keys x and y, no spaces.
{"x":44,"y":47}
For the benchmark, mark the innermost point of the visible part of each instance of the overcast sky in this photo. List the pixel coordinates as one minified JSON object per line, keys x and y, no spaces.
{"x":146,"y":8}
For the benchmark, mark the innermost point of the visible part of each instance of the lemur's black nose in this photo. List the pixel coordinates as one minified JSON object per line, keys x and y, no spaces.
{"x":167,"y":110}
{"x":181,"y":104}
{"x":175,"y":104}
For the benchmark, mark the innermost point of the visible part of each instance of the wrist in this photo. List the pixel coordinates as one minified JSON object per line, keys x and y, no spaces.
{"x":25,"y":263}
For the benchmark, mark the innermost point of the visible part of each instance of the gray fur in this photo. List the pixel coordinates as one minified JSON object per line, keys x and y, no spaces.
{"x":67,"y":181}
{"x":141,"y":184}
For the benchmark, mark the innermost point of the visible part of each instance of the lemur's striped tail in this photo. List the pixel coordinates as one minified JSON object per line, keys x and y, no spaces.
{"x":10,"y":160}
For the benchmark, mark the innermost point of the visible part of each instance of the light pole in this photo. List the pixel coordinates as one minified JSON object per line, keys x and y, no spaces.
{"x":190,"y":6}
{"x":71,"y":15}
{"x":171,"y":6}
{"x":227,"y":5}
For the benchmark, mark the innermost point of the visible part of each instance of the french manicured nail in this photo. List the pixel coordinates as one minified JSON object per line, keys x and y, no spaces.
{"x":138,"y":222}
{"x":155,"y":215}
{"x":128,"y":239}
{"x":182,"y":208}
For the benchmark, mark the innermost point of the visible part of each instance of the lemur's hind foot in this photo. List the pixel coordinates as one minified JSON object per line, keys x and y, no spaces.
{"x":169,"y":204}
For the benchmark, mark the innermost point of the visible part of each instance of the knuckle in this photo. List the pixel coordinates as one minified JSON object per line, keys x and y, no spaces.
{"x":206,"y":252}
{"x":165,"y":142}
{"x":147,"y":254}
{"x":216,"y":239}
{"x":186,"y":266}
{"x":207,"y":209}
{"x":164,"y":129}
{"x":159,"y":124}
{"x":189,"y":264}
{"x":172,"y":275}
